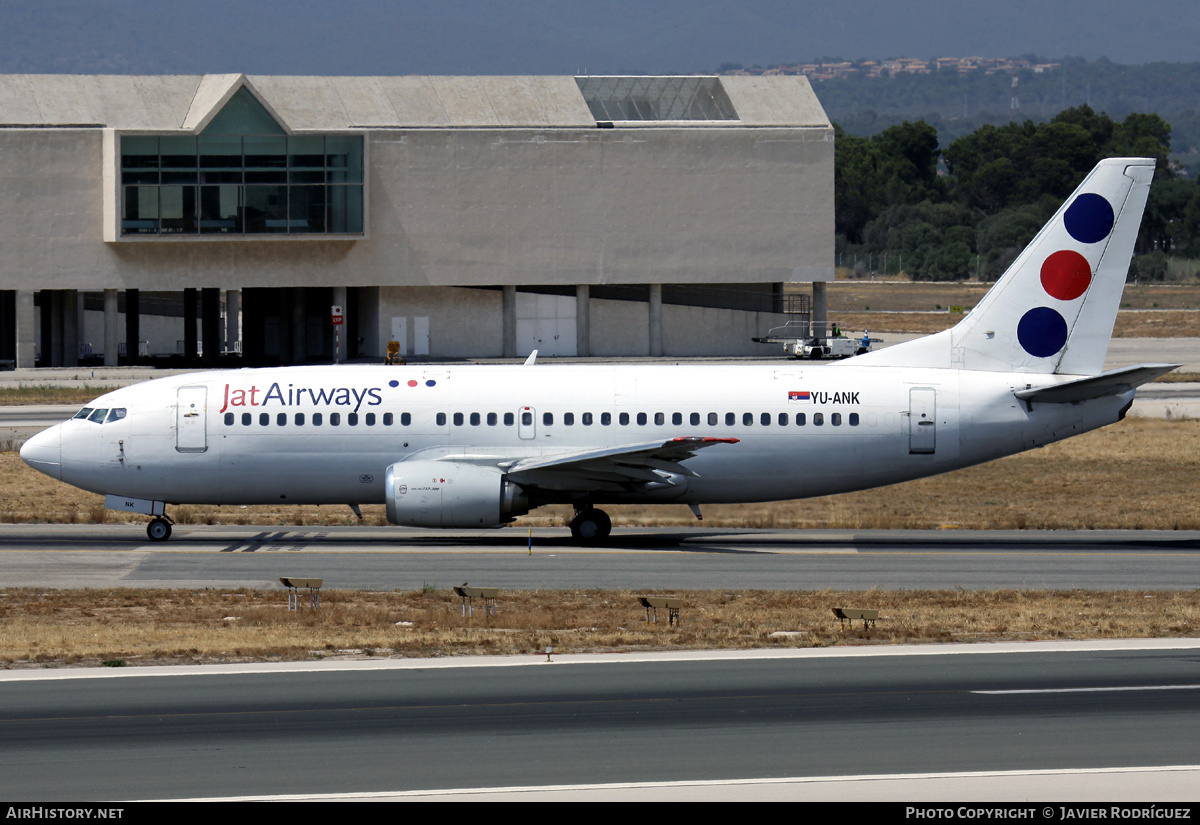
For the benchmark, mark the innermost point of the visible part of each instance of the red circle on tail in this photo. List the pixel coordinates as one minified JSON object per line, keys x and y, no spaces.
{"x":1066,"y":275}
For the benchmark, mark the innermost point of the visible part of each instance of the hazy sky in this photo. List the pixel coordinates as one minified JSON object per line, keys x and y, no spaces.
{"x":568,"y":36}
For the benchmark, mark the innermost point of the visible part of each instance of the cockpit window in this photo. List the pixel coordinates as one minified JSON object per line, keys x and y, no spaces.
{"x":101,"y":416}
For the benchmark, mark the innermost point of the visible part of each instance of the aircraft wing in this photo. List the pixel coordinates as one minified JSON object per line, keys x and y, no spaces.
{"x":1108,"y":383}
{"x":647,"y":464}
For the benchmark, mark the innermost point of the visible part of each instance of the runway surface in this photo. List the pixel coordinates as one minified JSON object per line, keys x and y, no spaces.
{"x":387,"y":558}
{"x":709,"y":720}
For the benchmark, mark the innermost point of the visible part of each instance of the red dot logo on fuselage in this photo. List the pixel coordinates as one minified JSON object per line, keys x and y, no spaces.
{"x":1065,"y":275}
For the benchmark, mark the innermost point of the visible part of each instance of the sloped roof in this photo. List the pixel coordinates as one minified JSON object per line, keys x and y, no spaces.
{"x":323,"y":104}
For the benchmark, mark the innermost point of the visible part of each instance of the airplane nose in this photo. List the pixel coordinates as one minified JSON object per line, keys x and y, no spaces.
{"x":43,"y":452}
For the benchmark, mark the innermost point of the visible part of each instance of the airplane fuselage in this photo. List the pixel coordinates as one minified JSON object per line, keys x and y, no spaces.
{"x":324,"y":435}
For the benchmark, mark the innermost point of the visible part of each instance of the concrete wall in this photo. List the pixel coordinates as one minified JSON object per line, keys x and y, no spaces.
{"x":463,"y":207}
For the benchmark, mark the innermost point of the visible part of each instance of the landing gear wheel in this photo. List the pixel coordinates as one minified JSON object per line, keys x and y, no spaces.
{"x":159,"y":529}
{"x":591,"y":525}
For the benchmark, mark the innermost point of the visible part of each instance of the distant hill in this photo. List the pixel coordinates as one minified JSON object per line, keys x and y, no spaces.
{"x":958,"y":104}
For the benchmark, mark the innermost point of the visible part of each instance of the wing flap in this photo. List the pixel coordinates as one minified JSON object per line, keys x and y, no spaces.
{"x":634,"y":464}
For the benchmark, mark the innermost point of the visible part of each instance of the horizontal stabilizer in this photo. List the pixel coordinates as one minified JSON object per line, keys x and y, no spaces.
{"x":1096,"y":386}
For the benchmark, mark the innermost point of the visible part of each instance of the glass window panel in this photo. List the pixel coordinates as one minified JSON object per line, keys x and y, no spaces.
{"x":177,"y":209}
{"x":266,"y":209}
{"x":178,"y":159}
{"x":345,"y":208}
{"x":220,"y":159}
{"x":307,"y":209}
{"x":243,"y":115}
{"x":221,"y":209}
{"x":140,"y":212}
{"x":344,"y":158}
{"x":266,"y":159}
{"x":306,"y":153}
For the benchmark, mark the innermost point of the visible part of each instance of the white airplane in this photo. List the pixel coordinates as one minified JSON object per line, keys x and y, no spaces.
{"x":476,"y":446}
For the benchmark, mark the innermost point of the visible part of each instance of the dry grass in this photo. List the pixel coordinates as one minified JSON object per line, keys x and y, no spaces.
{"x":125,"y":626}
{"x":1139,"y":474}
{"x":48,"y":394}
{"x":1167,"y":323}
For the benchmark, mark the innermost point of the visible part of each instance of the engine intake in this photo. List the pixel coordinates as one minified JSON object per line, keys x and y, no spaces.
{"x":451,"y":494}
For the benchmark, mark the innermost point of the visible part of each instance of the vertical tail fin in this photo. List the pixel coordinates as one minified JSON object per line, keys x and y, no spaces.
{"x":1053,"y":310}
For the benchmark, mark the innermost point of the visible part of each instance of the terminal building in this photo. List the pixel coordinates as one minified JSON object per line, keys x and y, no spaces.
{"x":220,"y":218}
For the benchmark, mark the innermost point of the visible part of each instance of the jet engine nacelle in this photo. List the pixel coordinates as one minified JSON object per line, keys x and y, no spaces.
{"x":449,"y":494}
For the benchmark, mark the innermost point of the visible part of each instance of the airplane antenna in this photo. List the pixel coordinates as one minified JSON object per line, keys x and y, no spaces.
{"x":532,"y":357}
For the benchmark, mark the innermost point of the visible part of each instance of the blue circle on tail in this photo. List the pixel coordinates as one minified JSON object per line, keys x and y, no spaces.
{"x":1042,"y":332}
{"x":1089,"y":218}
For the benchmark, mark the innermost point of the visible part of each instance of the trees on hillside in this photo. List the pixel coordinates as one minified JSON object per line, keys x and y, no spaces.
{"x":1001,"y":183}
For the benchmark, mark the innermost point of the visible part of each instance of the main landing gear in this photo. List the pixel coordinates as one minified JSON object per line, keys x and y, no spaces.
{"x":159,"y":528}
{"x":591,"y":525}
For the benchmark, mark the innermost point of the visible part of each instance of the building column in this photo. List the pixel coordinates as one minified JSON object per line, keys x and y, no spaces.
{"x":509,"y":325}
{"x":299,"y":327}
{"x":340,"y":339}
{"x":656,"y":330}
{"x":26,"y":326}
{"x":819,"y":318}
{"x":583,"y":321}
{"x":232,"y":320}
{"x":133,"y":326}
{"x":189,"y":325}
{"x":210,"y":324}
{"x":110,"y":328}
{"x":68,"y":321}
